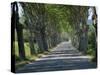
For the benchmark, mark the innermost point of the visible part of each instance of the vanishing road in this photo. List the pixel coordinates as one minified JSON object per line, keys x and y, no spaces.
{"x":62,"y":57}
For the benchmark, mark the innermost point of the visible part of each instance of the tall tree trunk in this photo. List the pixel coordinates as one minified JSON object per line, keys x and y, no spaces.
{"x":20,"y":41}
{"x":83,"y":43}
{"x":41,"y":25}
{"x":39,"y":42}
{"x":31,"y":41}
{"x":19,"y":34}
{"x":45,"y":46}
{"x":31,"y":38}
{"x":94,"y":18}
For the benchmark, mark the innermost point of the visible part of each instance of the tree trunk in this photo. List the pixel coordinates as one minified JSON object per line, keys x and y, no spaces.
{"x":20,"y":41}
{"x":31,"y":41}
{"x":31,"y":38}
{"x":45,"y":46}
{"x":19,"y":34}
{"x":39,"y":41}
{"x":83,"y":43}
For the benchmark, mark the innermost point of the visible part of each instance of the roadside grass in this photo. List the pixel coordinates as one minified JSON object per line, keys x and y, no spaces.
{"x":29,"y":58}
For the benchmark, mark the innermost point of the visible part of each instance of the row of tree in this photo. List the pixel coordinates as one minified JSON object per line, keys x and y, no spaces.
{"x":48,"y":25}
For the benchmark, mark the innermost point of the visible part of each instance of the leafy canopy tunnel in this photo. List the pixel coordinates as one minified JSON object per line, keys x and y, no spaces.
{"x":44,"y":26}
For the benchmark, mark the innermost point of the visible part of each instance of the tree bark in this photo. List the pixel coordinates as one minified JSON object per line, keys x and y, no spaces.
{"x":19,"y":31}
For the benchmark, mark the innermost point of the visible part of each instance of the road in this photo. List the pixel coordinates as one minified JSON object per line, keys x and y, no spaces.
{"x":62,"y":57}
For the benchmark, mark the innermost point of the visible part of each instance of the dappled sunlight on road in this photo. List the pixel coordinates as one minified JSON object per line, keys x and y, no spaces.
{"x":62,"y":57}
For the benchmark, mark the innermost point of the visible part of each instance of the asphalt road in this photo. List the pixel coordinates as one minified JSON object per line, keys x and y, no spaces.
{"x":62,"y":57}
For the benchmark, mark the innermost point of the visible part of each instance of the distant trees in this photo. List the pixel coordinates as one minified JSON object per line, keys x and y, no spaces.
{"x":76,"y":18}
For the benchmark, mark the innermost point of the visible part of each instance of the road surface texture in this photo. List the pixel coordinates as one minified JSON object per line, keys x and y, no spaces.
{"x":62,"y":57}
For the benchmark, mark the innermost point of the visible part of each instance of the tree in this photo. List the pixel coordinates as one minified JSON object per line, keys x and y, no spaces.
{"x":36,"y":23}
{"x":19,"y":30}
